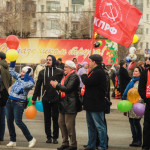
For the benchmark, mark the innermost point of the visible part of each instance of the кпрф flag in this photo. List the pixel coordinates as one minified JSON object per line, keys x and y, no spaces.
{"x":116,"y":20}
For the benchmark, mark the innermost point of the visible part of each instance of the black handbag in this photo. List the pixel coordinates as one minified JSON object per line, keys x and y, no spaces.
{"x":108,"y":104}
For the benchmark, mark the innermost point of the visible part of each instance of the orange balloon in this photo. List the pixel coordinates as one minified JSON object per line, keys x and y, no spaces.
{"x":31,"y":112}
{"x":133,"y":95}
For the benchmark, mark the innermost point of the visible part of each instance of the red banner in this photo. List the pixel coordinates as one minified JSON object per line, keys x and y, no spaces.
{"x":116,"y":20}
{"x":32,"y":50}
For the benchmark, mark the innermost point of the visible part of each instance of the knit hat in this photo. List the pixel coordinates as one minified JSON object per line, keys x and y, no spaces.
{"x":84,"y":63}
{"x":96,"y":57}
{"x":25,"y":69}
{"x":2,"y":55}
{"x":71,"y":64}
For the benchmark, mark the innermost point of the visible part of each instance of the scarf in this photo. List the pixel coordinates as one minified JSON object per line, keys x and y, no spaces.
{"x":129,"y":86}
{"x":63,"y":82}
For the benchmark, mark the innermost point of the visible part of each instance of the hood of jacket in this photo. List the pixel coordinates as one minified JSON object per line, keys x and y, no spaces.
{"x":4,"y":63}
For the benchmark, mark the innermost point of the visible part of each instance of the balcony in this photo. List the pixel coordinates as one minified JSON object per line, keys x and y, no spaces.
{"x":78,"y":2}
{"x":75,"y":17}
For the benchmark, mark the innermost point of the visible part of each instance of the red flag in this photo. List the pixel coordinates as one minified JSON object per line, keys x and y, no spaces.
{"x":116,"y":20}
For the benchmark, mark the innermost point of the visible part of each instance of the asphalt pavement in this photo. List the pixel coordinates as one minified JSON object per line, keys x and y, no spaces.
{"x":118,"y":130}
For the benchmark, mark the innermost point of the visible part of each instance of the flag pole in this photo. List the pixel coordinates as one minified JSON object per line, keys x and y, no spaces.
{"x":93,"y":35}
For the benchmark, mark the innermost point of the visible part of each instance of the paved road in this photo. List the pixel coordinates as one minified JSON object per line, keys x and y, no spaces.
{"x":118,"y":131}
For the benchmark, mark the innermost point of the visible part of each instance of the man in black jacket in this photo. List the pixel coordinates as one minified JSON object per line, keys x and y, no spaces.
{"x":146,"y":125}
{"x":49,"y":97}
{"x":124,"y":77}
{"x":94,"y":102}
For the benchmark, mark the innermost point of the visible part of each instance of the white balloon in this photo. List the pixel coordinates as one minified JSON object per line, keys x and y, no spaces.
{"x":132,"y":50}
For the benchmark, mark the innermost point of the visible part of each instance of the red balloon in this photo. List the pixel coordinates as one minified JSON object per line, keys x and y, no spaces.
{"x":12,"y":42}
{"x":131,"y":65}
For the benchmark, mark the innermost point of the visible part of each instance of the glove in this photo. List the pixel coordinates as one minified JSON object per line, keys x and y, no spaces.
{"x":29,"y":70}
{"x":12,"y":64}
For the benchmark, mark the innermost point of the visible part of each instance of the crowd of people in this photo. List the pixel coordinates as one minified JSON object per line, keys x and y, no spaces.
{"x":66,"y":89}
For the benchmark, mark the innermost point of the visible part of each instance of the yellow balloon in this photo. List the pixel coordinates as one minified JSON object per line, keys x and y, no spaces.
{"x":133,"y":95}
{"x":12,"y":55}
{"x":95,"y":35}
{"x":135,"y":39}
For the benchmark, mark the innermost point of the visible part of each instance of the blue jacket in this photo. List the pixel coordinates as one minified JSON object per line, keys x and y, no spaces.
{"x":21,"y":87}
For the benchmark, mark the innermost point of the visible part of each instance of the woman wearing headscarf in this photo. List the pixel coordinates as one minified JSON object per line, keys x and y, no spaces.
{"x":133,"y":118}
{"x":83,"y":70}
{"x":69,"y":105}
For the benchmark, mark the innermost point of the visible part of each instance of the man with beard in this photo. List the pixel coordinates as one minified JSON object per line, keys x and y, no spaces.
{"x":49,"y":97}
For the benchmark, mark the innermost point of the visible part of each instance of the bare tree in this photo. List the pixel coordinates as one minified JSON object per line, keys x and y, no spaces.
{"x":17,"y":18}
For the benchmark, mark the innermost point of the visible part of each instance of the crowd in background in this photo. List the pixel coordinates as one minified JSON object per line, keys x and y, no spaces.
{"x":66,"y":89}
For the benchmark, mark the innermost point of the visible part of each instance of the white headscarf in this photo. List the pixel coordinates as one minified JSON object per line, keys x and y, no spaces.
{"x":71,"y":64}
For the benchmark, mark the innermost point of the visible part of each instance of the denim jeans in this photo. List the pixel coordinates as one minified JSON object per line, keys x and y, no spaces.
{"x":14,"y":111}
{"x":2,"y":122}
{"x":136,"y":129}
{"x":96,"y":123}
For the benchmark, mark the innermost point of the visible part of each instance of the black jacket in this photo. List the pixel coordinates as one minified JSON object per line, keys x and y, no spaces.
{"x":61,"y":66}
{"x":124,"y":79}
{"x":71,"y":102}
{"x":95,"y":90}
{"x":49,"y":93}
{"x":142,"y":87}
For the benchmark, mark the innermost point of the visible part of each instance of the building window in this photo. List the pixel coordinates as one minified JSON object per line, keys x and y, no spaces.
{"x":66,"y":27}
{"x":53,"y":6}
{"x":77,"y":8}
{"x":147,"y":31}
{"x":78,"y":2}
{"x":141,"y":45}
{"x":33,"y":15}
{"x":147,"y":17}
{"x":53,"y":24}
{"x":42,"y":8}
{"x":8,"y":6}
{"x":42,"y":26}
{"x":35,"y":25}
{"x":147,"y":3}
{"x":147,"y":45}
{"x":75,"y":26}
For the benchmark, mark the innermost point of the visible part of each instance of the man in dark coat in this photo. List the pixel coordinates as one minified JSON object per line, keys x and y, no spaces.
{"x":94,"y":102}
{"x":60,"y":64}
{"x":124,"y":77}
{"x":146,"y":125}
{"x":5,"y":81}
{"x":49,"y":97}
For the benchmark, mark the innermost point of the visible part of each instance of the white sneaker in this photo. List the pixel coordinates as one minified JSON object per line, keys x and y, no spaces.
{"x":11,"y":144}
{"x":32,"y":143}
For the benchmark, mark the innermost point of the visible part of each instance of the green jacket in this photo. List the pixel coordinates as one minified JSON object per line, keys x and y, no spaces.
{"x":6,"y":78}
